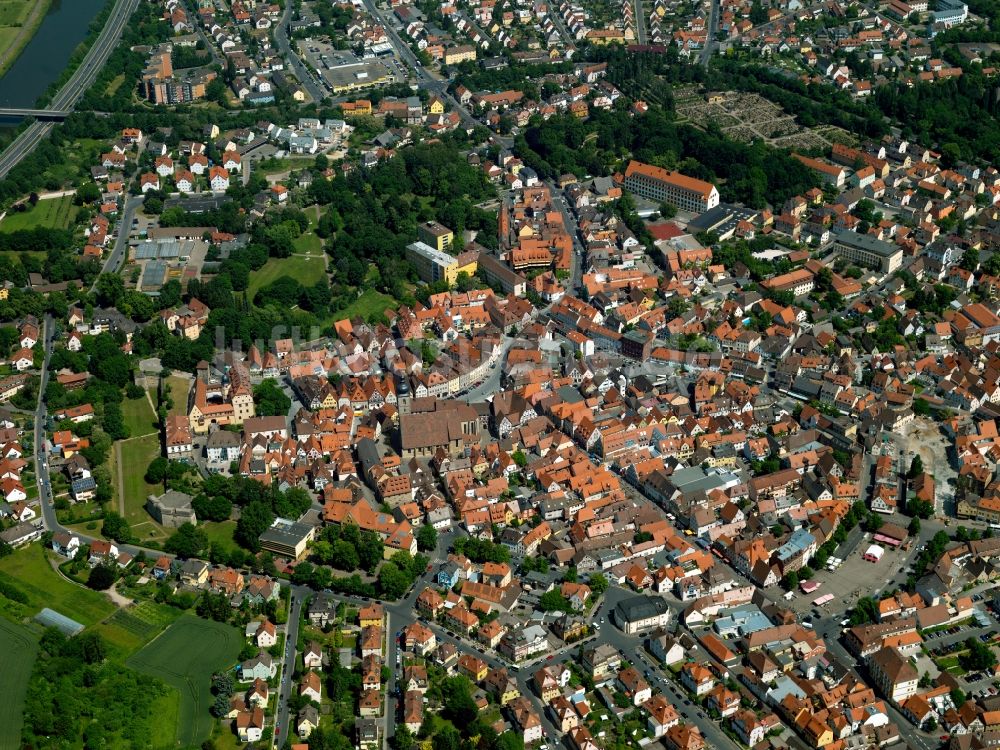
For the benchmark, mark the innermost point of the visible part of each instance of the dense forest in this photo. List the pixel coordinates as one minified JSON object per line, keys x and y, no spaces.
{"x":755,"y":175}
{"x":78,"y":698}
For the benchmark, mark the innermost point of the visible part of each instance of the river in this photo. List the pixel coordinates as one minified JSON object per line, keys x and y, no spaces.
{"x":44,"y":58}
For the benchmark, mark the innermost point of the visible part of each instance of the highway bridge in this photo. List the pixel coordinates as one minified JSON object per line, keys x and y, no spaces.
{"x":52,"y":115}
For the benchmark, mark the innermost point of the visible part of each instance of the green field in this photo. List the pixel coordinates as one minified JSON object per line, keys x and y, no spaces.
{"x":307,"y":271}
{"x":57,"y":213}
{"x":139,"y":416}
{"x":369,"y":303}
{"x":29,"y":570}
{"x":18,"y":647}
{"x":185,"y":656}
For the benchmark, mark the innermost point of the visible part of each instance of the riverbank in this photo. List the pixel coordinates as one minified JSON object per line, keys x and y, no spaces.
{"x":10,"y":51}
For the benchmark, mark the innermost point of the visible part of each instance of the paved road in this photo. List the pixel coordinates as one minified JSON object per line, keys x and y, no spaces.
{"x":713,"y":28}
{"x":640,"y":23}
{"x":287,"y":50}
{"x":74,"y":88}
{"x":120,"y":250}
{"x":288,"y":667}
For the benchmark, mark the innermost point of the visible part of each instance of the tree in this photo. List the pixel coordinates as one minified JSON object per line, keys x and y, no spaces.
{"x":427,"y":537}
{"x":554,"y":601}
{"x":865,"y":611}
{"x":188,"y":541}
{"x":116,"y":527}
{"x":598,"y":583}
{"x":873,"y":522}
{"x":916,"y":467}
{"x":101,"y":577}
{"x":457,"y":702}
{"x":110,"y":289}
{"x":344,"y":556}
{"x":958,"y":697}
{"x":392,"y":581}
{"x":979,"y":657}
{"x":216,"y":508}
{"x":402,"y":739}
{"x":255,"y":519}
{"x":914,"y":527}
{"x":790,"y":580}
{"x":220,"y":707}
{"x":156,"y":472}
{"x":270,"y":400}
{"x":370,"y":551}
{"x":921,"y":407}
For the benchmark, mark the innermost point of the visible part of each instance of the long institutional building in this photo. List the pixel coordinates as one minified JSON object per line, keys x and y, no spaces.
{"x":869,"y":251}
{"x":662,"y":185}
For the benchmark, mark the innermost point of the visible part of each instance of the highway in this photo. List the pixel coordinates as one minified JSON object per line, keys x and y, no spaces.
{"x":74,"y":88}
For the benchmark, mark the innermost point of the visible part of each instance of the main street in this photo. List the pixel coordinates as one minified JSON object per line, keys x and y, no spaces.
{"x":119,"y":251}
{"x":287,"y":50}
{"x":713,"y":27}
{"x":74,"y":88}
{"x":285,"y":691}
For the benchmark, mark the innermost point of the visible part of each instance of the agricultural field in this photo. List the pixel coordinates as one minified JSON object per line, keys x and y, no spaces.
{"x":132,"y":628}
{"x":29,"y":570}
{"x":185,"y":656}
{"x":18,"y":647}
{"x":139,"y":416}
{"x":56,"y":213}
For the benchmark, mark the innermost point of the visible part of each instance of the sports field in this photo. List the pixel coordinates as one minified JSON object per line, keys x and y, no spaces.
{"x":18,"y":647}
{"x":185,"y":656}
{"x":29,"y":570}
{"x":55,"y":213}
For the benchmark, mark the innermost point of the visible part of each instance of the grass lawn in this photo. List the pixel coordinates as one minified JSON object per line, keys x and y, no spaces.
{"x":179,"y":388}
{"x":57,"y":213}
{"x":185,"y":656}
{"x":369,"y":303}
{"x":139,"y":416}
{"x":308,"y":242}
{"x":278,"y":166}
{"x":136,"y":456}
{"x":18,"y":647}
{"x":28,"y":569}
{"x":950,"y":664}
{"x":307,"y":271}
{"x":220,"y":533}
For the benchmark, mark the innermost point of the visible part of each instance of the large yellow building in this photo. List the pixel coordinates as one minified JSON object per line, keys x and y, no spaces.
{"x":434,"y":265}
{"x":436,"y":235}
